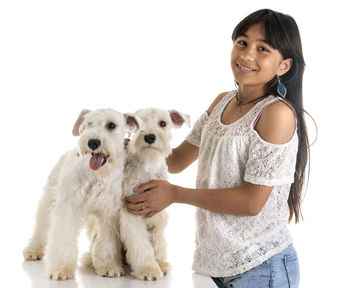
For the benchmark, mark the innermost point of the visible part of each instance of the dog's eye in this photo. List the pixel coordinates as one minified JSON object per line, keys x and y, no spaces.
{"x":162,"y":123}
{"x":89,"y":124}
{"x":111,"y":126}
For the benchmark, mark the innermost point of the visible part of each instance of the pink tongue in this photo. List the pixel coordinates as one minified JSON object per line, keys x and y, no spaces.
{"x":96,"y":161}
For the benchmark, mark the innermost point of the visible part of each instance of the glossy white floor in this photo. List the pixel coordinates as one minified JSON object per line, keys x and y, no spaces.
{"x":18,"y":273}
{"x":32,"y":276}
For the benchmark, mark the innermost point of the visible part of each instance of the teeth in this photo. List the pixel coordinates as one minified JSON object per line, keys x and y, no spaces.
{"x":246,"y":68}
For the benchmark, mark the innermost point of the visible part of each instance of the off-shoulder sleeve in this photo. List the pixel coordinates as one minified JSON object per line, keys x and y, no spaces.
{"x":271,"y":164}
{"x":194,"y":137}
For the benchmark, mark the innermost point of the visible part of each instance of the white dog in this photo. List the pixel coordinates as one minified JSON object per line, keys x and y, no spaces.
{"x":142,"y":237}
{"x":87,"y":181}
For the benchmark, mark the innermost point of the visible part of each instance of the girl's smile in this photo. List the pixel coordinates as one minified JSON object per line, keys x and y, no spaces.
{"x":254,"y":61}
{"x":245,"y":68}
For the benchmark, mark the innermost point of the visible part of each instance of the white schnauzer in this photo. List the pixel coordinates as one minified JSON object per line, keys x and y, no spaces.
{"x":143,"y":238}
{"x":86,"y":182}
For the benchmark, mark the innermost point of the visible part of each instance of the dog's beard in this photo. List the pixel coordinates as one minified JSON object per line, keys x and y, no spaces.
{"x":97,"y":158}
{"x":150,"y":156}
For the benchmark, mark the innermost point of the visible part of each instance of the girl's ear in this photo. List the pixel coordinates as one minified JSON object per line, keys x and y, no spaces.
{"x":285,"y":66}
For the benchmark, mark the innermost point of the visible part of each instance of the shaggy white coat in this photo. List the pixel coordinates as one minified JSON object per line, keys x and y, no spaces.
{"x":143,"y":237}
{"x":76,"y":194}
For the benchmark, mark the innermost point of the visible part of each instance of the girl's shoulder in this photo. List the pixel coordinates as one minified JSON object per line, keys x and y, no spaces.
{"x":216,"y":101}
{"x":277,"y":123}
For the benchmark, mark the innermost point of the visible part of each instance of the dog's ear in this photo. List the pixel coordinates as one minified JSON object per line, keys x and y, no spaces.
{"x":179,"y":118}
{"x":132,"y":121}
{"x":79,"y":121}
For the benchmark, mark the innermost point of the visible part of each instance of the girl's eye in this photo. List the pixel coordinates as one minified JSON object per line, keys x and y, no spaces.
{"x":162,"y":124}
{"x":264,"y":49}
{"x":111,"y":126}
{"x":242,"y":42}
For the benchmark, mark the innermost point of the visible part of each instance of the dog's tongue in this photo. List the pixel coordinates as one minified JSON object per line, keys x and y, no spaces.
{"x":96,"y":161}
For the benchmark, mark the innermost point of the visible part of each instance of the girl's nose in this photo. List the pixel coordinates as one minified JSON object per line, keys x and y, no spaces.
{"x":248,"y":54}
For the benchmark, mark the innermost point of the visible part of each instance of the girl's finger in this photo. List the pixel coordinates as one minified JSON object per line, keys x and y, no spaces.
{"x":140,"y":212}
{"x":150,"y":214}
{"x":137,"y":206}
{"x":145,"y":186}
{"x":136,"y":198}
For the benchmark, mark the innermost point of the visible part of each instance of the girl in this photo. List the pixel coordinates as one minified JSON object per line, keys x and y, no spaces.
{"x":252,"y":148}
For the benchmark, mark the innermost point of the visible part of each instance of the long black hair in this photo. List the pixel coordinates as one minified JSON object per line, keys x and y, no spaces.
{"x":282,"y":33}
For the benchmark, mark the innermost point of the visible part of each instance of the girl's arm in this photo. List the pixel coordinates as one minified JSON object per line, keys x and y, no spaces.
{"x":276,"y":125}
{"x":185,"y":154}
{"x":181,"y":157}
{"x":246,"y":200}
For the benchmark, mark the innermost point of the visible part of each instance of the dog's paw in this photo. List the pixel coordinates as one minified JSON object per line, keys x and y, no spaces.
{"x":86,"y":260}
{"x":164,"y":266}
{"x":33,"y":254}
{"x":110,"y":271}
{"x":61,"y":275}
{"x":148,"y":273}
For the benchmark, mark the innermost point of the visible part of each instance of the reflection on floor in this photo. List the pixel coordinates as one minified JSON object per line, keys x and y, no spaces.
{"x":88,"y":279}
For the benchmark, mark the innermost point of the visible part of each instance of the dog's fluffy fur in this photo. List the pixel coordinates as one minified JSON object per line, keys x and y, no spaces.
{"x":88,"y":185}
{"x":85,"y":183}
{"x":144,"y":237}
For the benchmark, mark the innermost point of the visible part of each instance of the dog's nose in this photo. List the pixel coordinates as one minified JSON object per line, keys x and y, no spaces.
{"x":150,"y":138}
{"x":94,"y":144}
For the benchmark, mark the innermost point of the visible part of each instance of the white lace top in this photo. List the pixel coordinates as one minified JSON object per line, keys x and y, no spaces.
{"x":227,"y":245}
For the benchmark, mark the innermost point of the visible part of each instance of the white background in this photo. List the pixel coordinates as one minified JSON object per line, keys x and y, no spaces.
{"x":57,"y":57}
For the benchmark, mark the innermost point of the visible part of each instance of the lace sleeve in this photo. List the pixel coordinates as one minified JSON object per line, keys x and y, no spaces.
{"x":195,"y":135}
{"x":271,"y":164}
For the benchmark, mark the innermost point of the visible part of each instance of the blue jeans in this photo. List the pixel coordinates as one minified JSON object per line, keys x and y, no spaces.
{"x":279,"y":271}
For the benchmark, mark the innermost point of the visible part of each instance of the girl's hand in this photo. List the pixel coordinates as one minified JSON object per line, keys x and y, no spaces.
{"x":156,"y":196}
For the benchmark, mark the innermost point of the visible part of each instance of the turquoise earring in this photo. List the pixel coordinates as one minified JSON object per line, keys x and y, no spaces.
{"x":281,"y":89}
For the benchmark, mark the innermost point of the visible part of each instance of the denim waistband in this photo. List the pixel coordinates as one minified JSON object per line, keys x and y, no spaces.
{"x":288,"y":252}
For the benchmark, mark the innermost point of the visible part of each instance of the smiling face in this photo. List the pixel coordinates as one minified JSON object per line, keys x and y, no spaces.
{"x":253,"y":61}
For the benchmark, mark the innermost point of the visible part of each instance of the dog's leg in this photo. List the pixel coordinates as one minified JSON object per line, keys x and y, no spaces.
{"x":139,"y":250}
{"x":36,"y":247}
{"x":159,"y":222}
{"x":62,"y":247}
{"x":106,"y":248}
{"x":35,"y":250}
{"x":91,"y":233}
